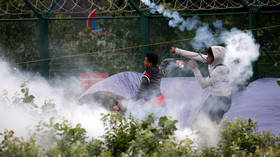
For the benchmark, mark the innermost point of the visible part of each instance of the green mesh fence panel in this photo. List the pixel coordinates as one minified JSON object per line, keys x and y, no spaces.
{"x":73,"y":49}
{"x":269,"y":39}
{"x":19,"y":42}
{"x":105,"y":52}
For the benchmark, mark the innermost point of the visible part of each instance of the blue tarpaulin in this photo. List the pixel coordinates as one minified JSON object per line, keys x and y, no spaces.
{"x":260,"y":100}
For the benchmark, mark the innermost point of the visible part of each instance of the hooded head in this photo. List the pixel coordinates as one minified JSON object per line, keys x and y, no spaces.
{"x":218,"y":55}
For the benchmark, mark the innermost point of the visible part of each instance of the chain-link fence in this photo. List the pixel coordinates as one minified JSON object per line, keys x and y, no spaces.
{"x":73,"y":48}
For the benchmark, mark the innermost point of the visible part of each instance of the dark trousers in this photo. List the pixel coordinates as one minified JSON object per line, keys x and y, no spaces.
{"x":215,"y":107}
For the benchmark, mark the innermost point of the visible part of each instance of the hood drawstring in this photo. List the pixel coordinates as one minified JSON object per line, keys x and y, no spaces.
{"x":202,"y":57}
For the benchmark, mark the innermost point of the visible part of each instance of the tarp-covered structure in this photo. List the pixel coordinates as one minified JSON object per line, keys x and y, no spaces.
{"x":260,"y":100}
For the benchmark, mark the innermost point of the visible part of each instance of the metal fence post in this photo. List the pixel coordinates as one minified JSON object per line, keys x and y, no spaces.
{"x":44,"y":39}
{"x":145,"y":35}
{"x":252,"y":26}
{"x":44,"y":48}
{"x":144,"y":28}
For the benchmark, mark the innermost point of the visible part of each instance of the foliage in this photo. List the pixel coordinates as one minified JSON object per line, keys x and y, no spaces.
{"x":68,"y":139}
{"x":22,"y":98}
{"x":132,"y":137}
{"x":126,"y":136}
{"x":17,"y":147}
{"x":242,"y":135}
{"x":27,"y":97}
{"x":119,"y":132}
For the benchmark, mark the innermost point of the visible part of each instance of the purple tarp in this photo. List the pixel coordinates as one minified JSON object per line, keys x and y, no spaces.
{"x":260,"y":100}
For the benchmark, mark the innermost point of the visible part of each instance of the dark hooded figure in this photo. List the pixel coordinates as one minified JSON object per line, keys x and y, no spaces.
{"x":151,"y":78}
{"x":219,"y":100}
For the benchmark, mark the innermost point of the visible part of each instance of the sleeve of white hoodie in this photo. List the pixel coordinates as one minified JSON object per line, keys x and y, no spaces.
{"x":203,"y":82}
{"x":217,"y":75}
{"x":191,"y":55}
{"x":217,"y":82}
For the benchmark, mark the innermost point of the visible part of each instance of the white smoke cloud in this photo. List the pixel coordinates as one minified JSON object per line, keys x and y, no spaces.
{"x":242,"y":52}
{"x":22,"y":118}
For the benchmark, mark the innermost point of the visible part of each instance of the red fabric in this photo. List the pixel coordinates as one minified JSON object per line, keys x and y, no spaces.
{"x":158,"y":101}
{"x":150,"y":76}
{"x":89,"y":79}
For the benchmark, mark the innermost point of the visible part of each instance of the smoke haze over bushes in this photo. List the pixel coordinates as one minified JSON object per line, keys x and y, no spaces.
{"x":58,"y":100}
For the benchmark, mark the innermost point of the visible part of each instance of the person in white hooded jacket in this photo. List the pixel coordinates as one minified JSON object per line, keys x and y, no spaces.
{"x":219,"y":100}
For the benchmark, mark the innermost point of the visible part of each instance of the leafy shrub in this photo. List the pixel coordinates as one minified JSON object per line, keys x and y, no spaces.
{"x":126,"y":136}
{"x":119,"y":132}
{"x":12,"y":146}
{"x":94,"y":147}
{"x":242,"y":135}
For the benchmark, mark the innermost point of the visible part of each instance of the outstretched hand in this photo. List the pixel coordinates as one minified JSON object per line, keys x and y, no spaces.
{"x":180,"y":63}
{"x":118,"y":105}
{"x":192,"y":64}
{"x":173,"y":49}
{"x":116,"y":108}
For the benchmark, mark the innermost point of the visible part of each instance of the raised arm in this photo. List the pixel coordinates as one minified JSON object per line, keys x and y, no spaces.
{"x":188,"y":54}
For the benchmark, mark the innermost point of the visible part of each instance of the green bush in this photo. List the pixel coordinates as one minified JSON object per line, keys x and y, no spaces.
{"x":70,"y":138}
{"x":133,"y":137}
{"x":242,"y":136}
{"x":126,"y":136}
{"x":12,"y":146}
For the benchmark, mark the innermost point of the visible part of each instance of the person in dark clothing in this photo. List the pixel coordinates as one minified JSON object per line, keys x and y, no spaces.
{"x":151,"y":78}
{"x":149,"y":89}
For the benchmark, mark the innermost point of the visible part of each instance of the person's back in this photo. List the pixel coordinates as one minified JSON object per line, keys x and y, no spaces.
{"x":150,"y":84}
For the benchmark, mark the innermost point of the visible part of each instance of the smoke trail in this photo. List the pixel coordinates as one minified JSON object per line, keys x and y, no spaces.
{"x":218,"y":25}
{"x":175,"y":19}
{"x":204,"y":38}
